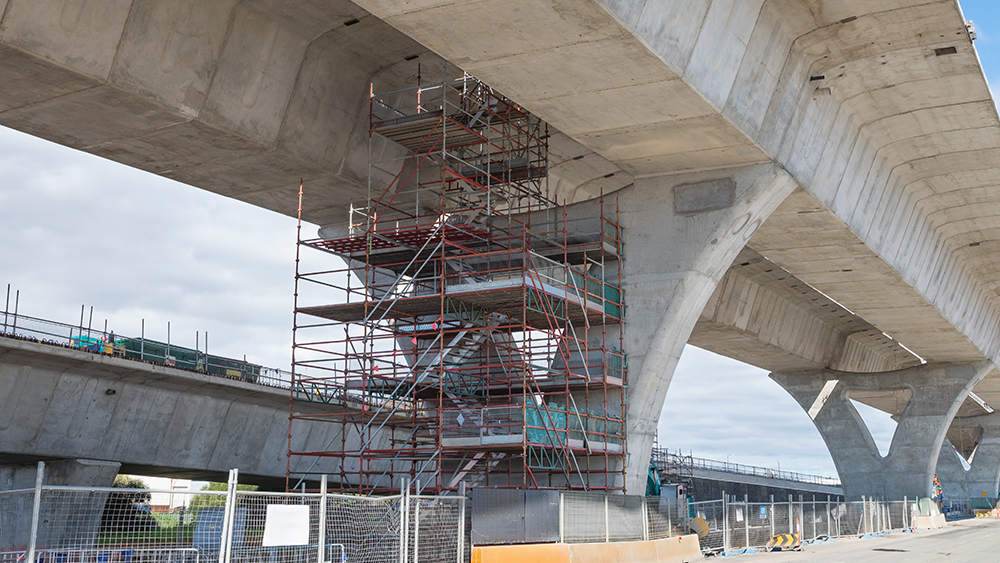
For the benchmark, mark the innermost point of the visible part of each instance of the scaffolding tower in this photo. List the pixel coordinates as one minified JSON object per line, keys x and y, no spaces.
{"x":468,"y":329}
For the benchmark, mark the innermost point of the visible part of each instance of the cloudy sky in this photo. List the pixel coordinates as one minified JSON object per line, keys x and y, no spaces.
{"x":79,"y":230}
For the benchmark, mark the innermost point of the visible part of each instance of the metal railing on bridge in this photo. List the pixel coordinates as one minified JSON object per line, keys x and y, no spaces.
{"x":664,"y":458}
{"x":97,"y":341}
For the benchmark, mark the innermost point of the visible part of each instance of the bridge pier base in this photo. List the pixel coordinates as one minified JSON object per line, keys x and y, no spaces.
{"x":56,"y":522}
{"x":982,"y":479}
{"x":936,"y":392}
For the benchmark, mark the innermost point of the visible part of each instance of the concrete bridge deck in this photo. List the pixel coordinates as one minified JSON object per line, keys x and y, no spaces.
{"x":855,"y":144}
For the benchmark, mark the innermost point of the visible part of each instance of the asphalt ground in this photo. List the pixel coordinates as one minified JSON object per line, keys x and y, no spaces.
{"x":972,"y":540}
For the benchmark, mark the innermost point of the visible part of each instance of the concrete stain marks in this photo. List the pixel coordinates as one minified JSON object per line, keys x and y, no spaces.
{"x":169,"y":50}
{"x":691,"y":199}
{"x":28,"y":80}
{"x":69,"y":16}
{"x":248,"y":95}
{"x":16,"y":387}
{"x":514,"y":27}
{"x":720,"y":47}
{"x":91,"y":117}
{"x":671,"y":28}
{"x":79,"y":34}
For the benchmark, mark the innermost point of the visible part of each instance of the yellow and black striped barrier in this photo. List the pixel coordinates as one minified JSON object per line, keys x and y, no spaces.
{"x":784,"y":542}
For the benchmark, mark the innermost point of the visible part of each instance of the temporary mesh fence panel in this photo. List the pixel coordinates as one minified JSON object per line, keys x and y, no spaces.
{"x":95,"y":525}
{"x":434,"y":529}
{"x":759,"y":520}
{"x":667,"y":517}
{"x":367,"y":528}
{"x":625,"y":518}
{"x":713,"y":513}
{"x":15,"y":520}
{"x":253,"y":518}
{"x":584,"y":518}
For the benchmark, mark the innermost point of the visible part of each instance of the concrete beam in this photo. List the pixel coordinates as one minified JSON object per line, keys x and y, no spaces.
{"x":69,"y":404}
{"x":938,"y":390}
{"x":763,"y":315}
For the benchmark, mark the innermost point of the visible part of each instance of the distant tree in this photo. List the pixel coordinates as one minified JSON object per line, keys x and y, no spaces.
{"x":205,"y":501}
{"x":128,"y":510}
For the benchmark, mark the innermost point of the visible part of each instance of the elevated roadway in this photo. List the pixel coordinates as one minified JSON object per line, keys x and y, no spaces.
{"x":852,"y":144}
{"x":62,"y":404}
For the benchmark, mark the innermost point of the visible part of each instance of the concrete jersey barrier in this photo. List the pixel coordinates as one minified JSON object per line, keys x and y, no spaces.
{"x":682,"y":549}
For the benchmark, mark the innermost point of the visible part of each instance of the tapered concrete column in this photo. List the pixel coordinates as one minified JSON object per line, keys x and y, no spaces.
{"x":682,"y":232}
{"x":984,"y":474}
{"x":67,"y":519}
{"x":938,"y":390}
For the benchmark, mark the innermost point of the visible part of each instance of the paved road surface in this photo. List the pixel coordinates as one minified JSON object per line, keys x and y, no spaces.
{"x":962,"y":541}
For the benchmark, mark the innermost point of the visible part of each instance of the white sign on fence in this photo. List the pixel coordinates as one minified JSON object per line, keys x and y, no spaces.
{"x":286,"y":525}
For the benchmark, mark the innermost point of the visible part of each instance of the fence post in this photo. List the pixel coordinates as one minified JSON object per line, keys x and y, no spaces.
{"x":227,"y":518}
{"x":607,"y":525}
{"x":416,"y":528}
{"x":36,"y":511}
{"x":670,"y":510}
{"x":461,"y":523}
{"x":322,"y":521}
{"x":814,"y":516}
{"x":645,"y":520}
{"x":829,"y":524}
{"x":404,"y":488}
{"x":562,"y":517}
{"x":746,"y":517}
{"x":791,"y":515}
{"x":771,"y":519}
{"x":725,"y":522}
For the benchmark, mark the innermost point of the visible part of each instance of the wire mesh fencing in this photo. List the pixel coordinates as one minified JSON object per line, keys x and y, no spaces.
{"x":58,"y":524}
{"x":435,"y":529}
{"x":666,"y":517}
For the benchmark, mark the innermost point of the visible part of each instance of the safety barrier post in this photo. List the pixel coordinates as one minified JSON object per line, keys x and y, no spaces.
{"x":321,"y":558}
{"x":36,"y":510}
{"x":461,"y":522}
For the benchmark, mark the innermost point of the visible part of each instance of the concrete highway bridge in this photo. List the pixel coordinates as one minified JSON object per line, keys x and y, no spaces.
{"x":808,"y":186}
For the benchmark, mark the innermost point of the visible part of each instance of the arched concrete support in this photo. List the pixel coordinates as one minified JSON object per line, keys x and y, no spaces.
{"x":938,"y":390}
{"x":984,"y":474}
{"x":682,"y":233}
{"x":55,"y":523}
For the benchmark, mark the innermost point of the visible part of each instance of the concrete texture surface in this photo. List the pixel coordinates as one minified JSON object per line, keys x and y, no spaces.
{"x":983,"y":476}
{"x":881,"y":195}
{"x":158,"y":421}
